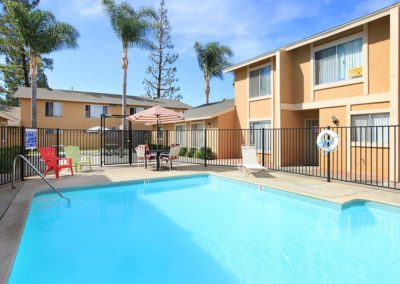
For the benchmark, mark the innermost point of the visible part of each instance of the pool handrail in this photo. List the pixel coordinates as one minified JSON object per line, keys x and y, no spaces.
{"x":39,"y":173}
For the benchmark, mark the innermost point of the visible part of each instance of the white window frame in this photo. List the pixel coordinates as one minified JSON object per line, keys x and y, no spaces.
{"x":97,"y":105}
{"x":268,"y":147}
{"x":369,"y":143}
{"x":201,"y":140}
{"x":358,"y":80}
{"x":136,"y":109}
{"x":184,"y":138}
{"x":271,"y":82}
{"x":61,"y":107}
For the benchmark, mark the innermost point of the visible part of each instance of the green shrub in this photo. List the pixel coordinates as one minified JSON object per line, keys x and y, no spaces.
{"x":7,"y":156}
{"x":183,"y":151}
{"x":204,"y":153}
{"x":191,"y":152}
{"x":153,"y":147}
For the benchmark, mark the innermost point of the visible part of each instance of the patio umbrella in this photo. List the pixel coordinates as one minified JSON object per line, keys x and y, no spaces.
{"x":156,"y":114}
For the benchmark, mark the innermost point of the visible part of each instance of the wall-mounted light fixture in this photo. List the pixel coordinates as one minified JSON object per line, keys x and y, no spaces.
{"x":208,"y":125}
{"x":335,"y":120}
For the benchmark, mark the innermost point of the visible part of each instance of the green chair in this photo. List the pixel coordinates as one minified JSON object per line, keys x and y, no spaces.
{"x":74,"y":153}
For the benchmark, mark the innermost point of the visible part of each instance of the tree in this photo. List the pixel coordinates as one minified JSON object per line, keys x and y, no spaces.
{"x":41,"y":34}
{"x":132,"y":27}
{"x":15,"y":67}
{"x":213,"y":58}
{"x":161,"y":70}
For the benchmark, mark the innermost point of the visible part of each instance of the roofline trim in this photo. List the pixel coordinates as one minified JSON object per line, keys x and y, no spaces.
{"x":324,"y":34}
{"x":210,"y":116}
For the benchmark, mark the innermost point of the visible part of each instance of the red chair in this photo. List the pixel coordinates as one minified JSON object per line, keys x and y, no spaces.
{"x":48,"y":155}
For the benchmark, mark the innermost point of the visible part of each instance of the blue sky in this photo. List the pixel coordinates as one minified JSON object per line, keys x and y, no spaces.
{"x":249,"y":27}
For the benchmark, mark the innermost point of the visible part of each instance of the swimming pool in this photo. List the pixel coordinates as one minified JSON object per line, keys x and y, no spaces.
{"x":205,"y":229}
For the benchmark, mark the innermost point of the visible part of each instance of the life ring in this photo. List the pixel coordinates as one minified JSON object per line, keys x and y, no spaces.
{"x":327,"y":140}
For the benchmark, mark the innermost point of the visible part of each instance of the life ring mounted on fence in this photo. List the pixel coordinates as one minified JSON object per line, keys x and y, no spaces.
{"x":327,"y":140}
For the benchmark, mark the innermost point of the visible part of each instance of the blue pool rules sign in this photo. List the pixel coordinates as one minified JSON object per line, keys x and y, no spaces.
{"x":30,"y":138}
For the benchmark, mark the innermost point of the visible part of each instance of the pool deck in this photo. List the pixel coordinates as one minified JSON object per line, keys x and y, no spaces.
{"x":15,"y":204}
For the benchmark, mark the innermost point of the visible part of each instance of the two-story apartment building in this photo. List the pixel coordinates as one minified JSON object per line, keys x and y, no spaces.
{"x":345,"y":76}
{"x":82,"y":110}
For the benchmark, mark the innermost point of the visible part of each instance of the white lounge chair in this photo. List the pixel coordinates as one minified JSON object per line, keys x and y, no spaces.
{"x":249,"y":160}
{"x":173,"y":155}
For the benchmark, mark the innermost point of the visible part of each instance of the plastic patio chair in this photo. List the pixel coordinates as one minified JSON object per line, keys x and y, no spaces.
{"x":173,"y":155}
{"x":74,"y":153}
{"x":48,"y":155}
{"x":142,"y":155}
{"x":249,"y":160}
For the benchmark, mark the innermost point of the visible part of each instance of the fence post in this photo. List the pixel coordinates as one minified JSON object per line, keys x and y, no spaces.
{"x":328,"y":179}
{"x":58,"y":142}
{"x":205,"y":147}
{"x":130,"y":143}
{"x":22,"y":152}
{"x":101,"y":139}
{"x":263,"y":146}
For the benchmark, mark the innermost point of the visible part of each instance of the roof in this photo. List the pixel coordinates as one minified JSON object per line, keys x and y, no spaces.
{"x":335,"y":30}
{"x":209,"y":110}
{"x":12,"y":114}
{"x":91,"y":97}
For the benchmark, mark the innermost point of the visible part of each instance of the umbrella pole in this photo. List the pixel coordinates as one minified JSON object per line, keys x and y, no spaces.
{"x":158,"y":150}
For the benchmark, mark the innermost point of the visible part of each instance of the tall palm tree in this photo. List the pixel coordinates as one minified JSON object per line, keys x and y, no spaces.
{"x":133,"y":28}
{"x":213,"y":59}
{"x":40,"y":33}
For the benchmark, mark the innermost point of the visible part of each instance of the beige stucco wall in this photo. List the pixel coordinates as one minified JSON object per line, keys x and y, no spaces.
{"x":339,"y":92}
{"x":378,"y":55}
{"x":301,"y":86}
{"x":325,"y":116}
{"x":241,"y":95}
{"x":73,"y":116}
{"x":260,"y":109}
{"x":374,"y":106}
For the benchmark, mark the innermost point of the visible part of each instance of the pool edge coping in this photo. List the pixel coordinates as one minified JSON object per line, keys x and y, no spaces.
{"x":26,"y":197}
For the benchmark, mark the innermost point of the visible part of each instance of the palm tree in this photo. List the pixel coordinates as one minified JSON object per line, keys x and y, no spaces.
{"x":40,"y":33}
{"x":213,"y":59}
{"x":132,"y":27}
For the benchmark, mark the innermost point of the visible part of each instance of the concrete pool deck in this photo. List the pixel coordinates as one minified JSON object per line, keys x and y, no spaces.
{"x":16,"y":203}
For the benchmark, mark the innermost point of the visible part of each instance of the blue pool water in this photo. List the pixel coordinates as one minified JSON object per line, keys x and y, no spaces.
{"x":205,"y":229}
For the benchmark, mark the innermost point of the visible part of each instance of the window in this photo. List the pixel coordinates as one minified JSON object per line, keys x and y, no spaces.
{"x":95,"y":110}
{"x":260,"y":82}
{"x":53,"y":109}
{"x":256,"y":134}
{"x":369,"y":128}
{"x":197,"y":135}
{"x":133,"y":110}
{"x":338,"y":62}
{"x":180,"y":135}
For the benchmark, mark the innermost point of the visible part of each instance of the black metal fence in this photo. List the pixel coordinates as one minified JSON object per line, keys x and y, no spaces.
{"x":365,"y":154}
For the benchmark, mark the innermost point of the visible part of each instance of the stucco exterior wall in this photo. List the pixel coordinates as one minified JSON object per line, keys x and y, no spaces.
{"x":339,"y":92}
{"x":260,"y":109}
{"x":301,"y":71}
{"x":73,"y":116}
{"x":379,"y":55}
{"x":373,"y":106}
{"x":241,"y":93}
